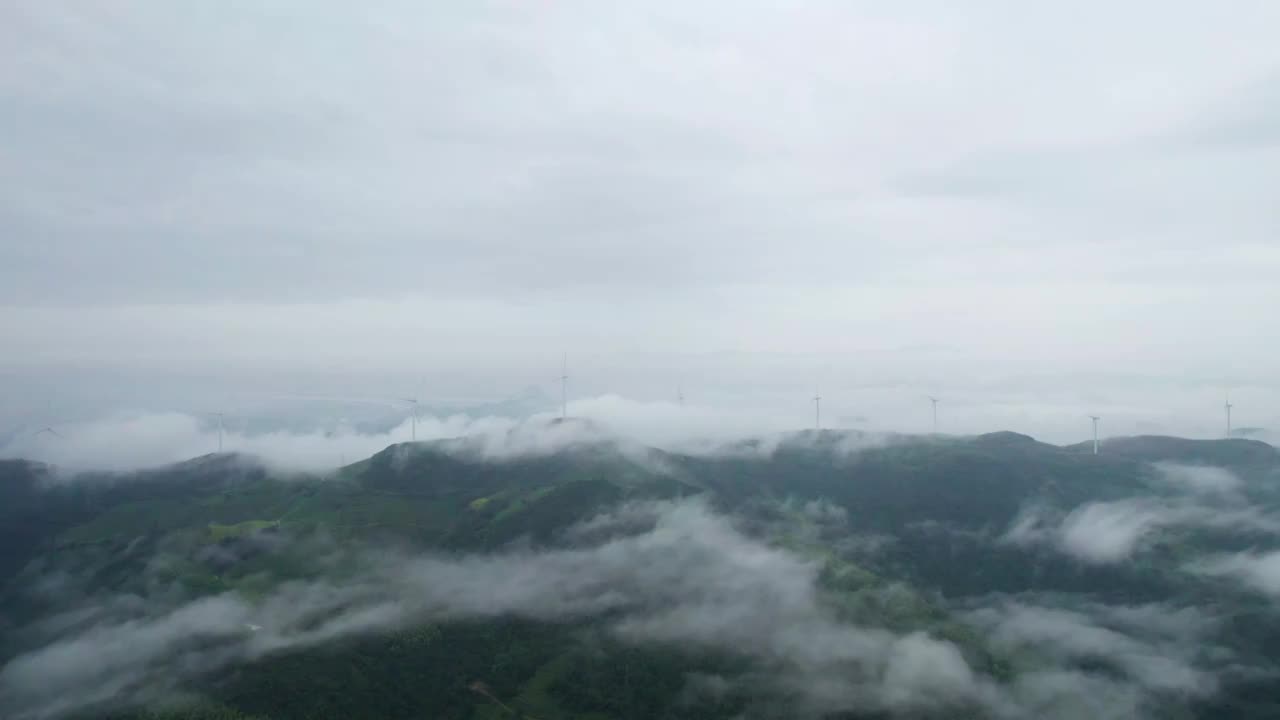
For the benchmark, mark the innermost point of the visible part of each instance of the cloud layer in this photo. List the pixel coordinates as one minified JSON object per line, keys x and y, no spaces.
{"x":690,"y":580}
{"x":1109,"y":532}
{"x":1152,"y":648}
{"x":141,"y":440}
{"x":661,"y":573}
{"x":1257,"y":570}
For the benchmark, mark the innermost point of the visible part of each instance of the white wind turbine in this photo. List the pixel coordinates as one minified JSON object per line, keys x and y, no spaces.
{"x":219,"y":416}
{"x":1227,"y":406}
{"x":564,"y":387}
{"x":413,"y":418}
{"x":415,"y":405}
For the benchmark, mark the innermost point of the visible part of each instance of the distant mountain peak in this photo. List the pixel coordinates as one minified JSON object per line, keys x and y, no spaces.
{"x":1006,"y":437}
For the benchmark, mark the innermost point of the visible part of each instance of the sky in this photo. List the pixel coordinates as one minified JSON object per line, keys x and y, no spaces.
{"x":1034,"y":213}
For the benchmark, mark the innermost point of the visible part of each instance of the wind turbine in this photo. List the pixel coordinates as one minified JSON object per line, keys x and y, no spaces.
{"x":219,"y":416}
{"x":49,"y":430}
{"x":564,"y":387}
{"x":413,"y":419}
{"x":817,"y":411}
{"x":415,"y":404}
{"x":1095,"y":419}
{"x":680,"y":395}
{"x":934,"y":400}
{"x":1227,"y":405}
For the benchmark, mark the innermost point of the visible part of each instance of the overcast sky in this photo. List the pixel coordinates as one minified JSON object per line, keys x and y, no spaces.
{"x":1055,"y":207}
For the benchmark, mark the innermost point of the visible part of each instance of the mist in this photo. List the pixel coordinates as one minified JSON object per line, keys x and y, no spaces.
{"x":126,"y":442}
{"x":1157,"y":647}
{"x":1257,"y":570}
{"x":691,"y":579}
{"x":657,"y":573}
{"x":1185,"y":497}
{"x":741,"y":393}
{"x":323,"y":433}
{"x":132,"y":442}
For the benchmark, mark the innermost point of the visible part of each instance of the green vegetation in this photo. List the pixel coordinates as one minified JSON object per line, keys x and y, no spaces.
{"x":225,"y":525}
{"x":219,"y":532}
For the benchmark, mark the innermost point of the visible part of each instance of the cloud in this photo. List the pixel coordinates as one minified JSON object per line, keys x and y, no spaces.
{"x":468,"y":191}
{"x":128,"y":659}
{"x":124,"y":442}
{"x":1199,"y":478}
{"x":923,"y":672}
{"x":666,"y":573}
{"x":1112,"y":531}
{"x":1104,"y":532}
{"x":1160,"y":648}
{"x":144,"y":440}
{"x":674,"y":425}
{"x":1109,"y":532}
{"x":1142,"y":660}
{"x":691,"y":579}
{"x":299,"y":153}
{"x":1260,"y":571}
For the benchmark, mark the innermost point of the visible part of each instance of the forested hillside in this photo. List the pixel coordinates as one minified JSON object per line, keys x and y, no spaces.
{"x":814,"y":575}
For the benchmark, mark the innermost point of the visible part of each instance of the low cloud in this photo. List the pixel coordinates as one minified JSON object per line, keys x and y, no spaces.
{"x":1113,"y":531}
{"x":127,"y":442}
{"x":1260,"y":571}
{"x":1108,"y":532}
{"x":671,"y":573}
{"x":1101,"y":533}
{"x":690,"y":579}
{"x":134,"y":441}
{"x":1200,"y":479}
{"x":1159,"y":648}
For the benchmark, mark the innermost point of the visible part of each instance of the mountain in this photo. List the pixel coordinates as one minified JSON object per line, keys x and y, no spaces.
{"x":566,"y":574}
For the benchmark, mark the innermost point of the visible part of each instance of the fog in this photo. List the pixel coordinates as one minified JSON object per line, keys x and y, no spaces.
{"x":317,"y":432}
{"x":1258,"y":570}
{"x":1158,"y":647}
{"x":692,"y":579}
{"x":665,"y":573}
{"x":1185,"y":498}
{"x":125,"y":442}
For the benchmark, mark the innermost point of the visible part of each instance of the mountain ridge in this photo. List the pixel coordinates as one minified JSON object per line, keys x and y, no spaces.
{"x":901,"y":535}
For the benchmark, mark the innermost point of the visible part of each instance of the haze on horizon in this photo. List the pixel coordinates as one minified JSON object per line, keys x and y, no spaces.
{"x":1034,"y":213}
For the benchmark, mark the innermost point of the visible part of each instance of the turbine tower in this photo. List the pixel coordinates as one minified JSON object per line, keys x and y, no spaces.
{"x":817,"y":411}
{"x":934,"y":400}
{"x":1095,"y":418}
{"x":1227,"y":405}
{"x":680,"y":395}
{"x":564,"y":387}
{"x":219,"y":416}
{"x":413,"y":419}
